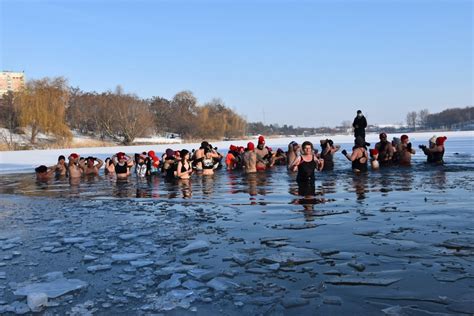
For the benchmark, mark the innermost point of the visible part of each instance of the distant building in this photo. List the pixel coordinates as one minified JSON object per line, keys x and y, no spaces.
{"x":11,"y":81}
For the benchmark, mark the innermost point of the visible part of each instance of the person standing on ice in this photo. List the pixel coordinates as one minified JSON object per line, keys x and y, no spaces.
{"x":359,"y":125}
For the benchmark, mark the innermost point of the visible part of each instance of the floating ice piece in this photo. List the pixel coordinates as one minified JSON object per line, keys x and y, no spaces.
{"x":18,"y":308}
{"x":356,"y":265}
{"x":99,"y":267}
{"x":88,"y":258}
{"x":289,"y":302}
{"x":328,"y":213}
{"x":362,"y":281}
{"x":172,"y":282}
{"x":202,"y":274}
{"x":141,"y":263}
{"x":192,"y":284}
{"x":268,"y":239}
{"x":128,"y":236}
{"x":241,"y":258}
{"x":54,"y":275}
{"x":52,"y":289}
{"x":369,"y":232}
{"x":36,"y":301}
{"x":3,"y":275}
{"x":458,"y":243}
{"x":332,"y":300}
{"x":329,"y":252}
{"x":74,"y":240}
{"x":128,"y":256}
{"x":172,"y":300}
{"x":298,"y":226}
{"x":288,"y":258}
{"x":195,"y":246}
{"x":221,"y":284}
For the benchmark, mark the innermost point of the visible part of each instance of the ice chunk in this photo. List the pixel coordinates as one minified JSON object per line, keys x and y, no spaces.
{"x":221,"y":284}
{"x":99,"y":267}
{"x":128,"y":236}
{"x":36,"y":301}
{"x":52,"y":289}
{"x":289,"y":258}
{"x":289,"y":302}
{"x":128,"y":256}
{"x":202,"y":274}
{"x":363,"y":281}
{"x":195,"y":246}
{"x":172,"y":282}
{"x":74,"y":240}
{"x":141,"y":263}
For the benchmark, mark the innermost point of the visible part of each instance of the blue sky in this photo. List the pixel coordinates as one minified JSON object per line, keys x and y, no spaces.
{"x":305,"y":63}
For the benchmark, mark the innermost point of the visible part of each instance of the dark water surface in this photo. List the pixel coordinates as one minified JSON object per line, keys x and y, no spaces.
{"x":398,"y":241}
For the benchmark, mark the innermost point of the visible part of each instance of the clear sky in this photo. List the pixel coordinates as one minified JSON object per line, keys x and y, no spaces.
{"x":305,"y":63}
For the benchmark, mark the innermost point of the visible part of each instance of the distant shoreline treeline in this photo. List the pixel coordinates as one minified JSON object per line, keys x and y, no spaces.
{"x":51,"y":107}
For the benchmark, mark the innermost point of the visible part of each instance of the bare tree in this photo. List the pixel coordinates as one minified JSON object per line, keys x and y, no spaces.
{"x":411,"y":119}
{"x":423,"y":117}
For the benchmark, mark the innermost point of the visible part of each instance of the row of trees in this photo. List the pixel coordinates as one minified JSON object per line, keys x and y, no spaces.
{"x":448,"y":119}
{"x":50,"y":106}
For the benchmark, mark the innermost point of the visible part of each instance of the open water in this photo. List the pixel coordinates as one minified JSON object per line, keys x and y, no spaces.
{"x":394,"y":241}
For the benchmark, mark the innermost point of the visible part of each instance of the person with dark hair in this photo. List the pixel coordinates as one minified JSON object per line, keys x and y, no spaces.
{"x":359,"y":125}
{"x":91,"y":167}
{"x":199,"y":155}
{"x":44,"y":173}
{"x":306,"y":165}
{"x":109,"y":166}
{"x":359,"y":156}
{"x":184,"y":168}
{"x":170,"y":163}
{"x":294,"y":151}
{"x":141,"y":165}
{"x":328,"y":149}
{"x":61,"y":167}
{"x":385,"y":150}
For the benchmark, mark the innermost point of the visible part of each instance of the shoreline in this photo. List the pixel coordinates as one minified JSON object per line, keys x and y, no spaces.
{"x":23,"y":160}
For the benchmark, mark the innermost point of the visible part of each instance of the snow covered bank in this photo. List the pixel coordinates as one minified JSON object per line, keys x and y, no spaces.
{"x":26,"y":160}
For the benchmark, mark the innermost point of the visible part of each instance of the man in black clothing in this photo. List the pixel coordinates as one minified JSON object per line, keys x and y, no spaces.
{"x":360,"y":123}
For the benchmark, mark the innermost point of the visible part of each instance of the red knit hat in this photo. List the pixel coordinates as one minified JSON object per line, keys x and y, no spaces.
{"x":261,"y":139}
{"x":151,"y":154}
{"x":74,"y":156}
{"x":120,"y":155}
{"x":440,"y":140}
{"x":374,"y":152}
{"x":233,"y":148}
{"x":250,"y":146}
{"x":404,"y":137}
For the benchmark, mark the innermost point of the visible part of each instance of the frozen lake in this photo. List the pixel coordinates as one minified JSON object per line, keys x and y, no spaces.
{"x":398,"y":241}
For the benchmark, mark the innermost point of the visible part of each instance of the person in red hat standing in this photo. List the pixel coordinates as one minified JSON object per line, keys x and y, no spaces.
{"x":264,"y":157}
{"x":250,"y":159}
{"x":231,"y":159}
{"x":405,"y":151}
{"x":435,"y":153}
{"x":74,"y":169}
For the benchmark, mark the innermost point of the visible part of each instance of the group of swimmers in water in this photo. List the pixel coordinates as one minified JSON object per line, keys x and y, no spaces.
{"x":304,"y":159}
